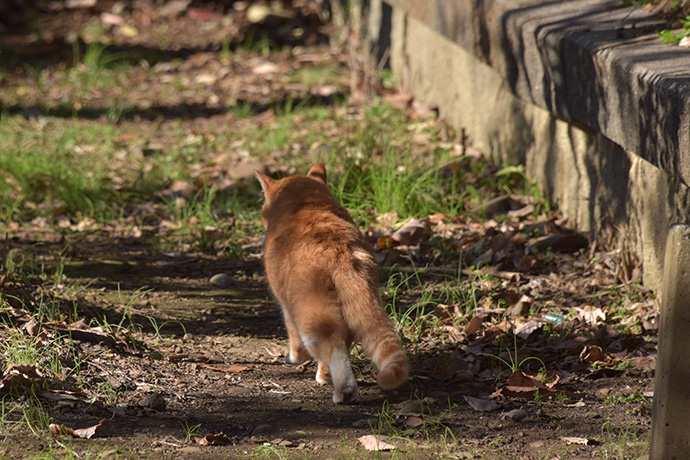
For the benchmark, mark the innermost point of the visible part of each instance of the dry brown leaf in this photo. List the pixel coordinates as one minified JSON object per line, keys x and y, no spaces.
{"x":474,"y":324}
{"x":524,"y":330}
{"x":218,"y":439}
{"x":385,"y":242}
{"x":591,"y":315}
{"x":398,"y":101}
{"x":413,"y":232}
{"x":519,"y":379}
{"x":575,"y":440}
{"x":530,"y":392}
{"x":58,"y":395}
{"x":452,"y":332}
{"x":231,"y":369}
{"x":414,"y":421}
{"x":83,"y":433}
{"x":374,"y":444}
{"x":23,"y":375}
{"x":592,"y":354}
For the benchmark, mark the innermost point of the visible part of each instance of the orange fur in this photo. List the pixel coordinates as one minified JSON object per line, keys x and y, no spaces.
{"x":325,"y":277}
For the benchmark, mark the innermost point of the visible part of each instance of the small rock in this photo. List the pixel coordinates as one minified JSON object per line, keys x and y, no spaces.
{"x":283,"y":442}
{"x":221,"y":280}
{"x":364,"y":423}
{"x":257,"y":13}
{"x":441,"y":396}
{"x":154,"y":401}
{"x":412,"y":408}
{"x":262,"y":430}
{"x":536,"y":444}
{"x":498,"y":205}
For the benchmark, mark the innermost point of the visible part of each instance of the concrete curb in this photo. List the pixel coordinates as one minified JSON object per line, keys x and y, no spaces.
{"x":587,"y":62}
{"x":583,"y":94}
{"x":671,"y":412}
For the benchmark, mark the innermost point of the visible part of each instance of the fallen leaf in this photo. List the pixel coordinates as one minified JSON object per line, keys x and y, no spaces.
{"x":74,"y":4}
{"x":59,"y":395}
{"x":218,"y":439}
{"x":178,"y":189}
{"x":200,"y":14}
{"x":374,"y":444}
{"x":414,"y":422}
{"x":575,"y":440}
{"x":524,"y":330}
{"x":385,"y":242}
{"x":276,"y":350}
{"x":518,"y":379}
{"x":474,"y":324}
{"x":173,"y":7}
{"x":22,"y":375}
{"x":231,"y":369}
{"x":590,"y":315}
{"x":522,"y":212}
{"x":592,"y":354}
{"x":413,"y":232}
{"x":83,"y":433}
{"x":515,"y":414}
{"x":452,"y":333}
{"x":111,"y":19}
{"x":482,"y":405}
{"x":128,"y":31}
{"x":265,"y":68}
{"x":569,"y":242}
{"x":531,"y":393}
{"x":398,"y":101}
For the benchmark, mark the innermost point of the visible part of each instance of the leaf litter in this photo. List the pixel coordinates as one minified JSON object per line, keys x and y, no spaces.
{"x":539,"y":320}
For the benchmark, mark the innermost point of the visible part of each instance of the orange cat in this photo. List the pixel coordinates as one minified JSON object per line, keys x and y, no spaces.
{"x":325,"y":277}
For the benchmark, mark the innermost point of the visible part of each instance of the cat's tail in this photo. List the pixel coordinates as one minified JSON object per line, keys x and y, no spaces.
{"x":357,"y":287}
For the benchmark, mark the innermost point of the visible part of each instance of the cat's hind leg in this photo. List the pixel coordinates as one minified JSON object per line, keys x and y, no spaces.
{"x":327,"y":340}
{"x":297,"y":352}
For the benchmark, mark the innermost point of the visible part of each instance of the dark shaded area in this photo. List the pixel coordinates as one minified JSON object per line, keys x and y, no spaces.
{"x":34,"y":33}
{"x":177,"y":111}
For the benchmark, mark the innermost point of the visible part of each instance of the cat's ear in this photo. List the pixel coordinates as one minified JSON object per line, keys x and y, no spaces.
{"x":267,"y":184}
{"x":318,"y":172}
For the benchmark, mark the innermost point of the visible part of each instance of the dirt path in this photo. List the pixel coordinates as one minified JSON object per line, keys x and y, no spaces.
{"x":159,"y":319}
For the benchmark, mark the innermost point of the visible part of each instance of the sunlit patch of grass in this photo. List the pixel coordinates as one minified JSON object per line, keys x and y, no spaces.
{"x":97,"y":68}
{"x":317,"y":75}
{"x":621,"y":442}
{"x":51,"y":166}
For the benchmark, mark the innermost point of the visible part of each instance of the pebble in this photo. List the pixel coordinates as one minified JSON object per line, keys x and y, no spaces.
{"x":365,"y":423}
{"x":221,"y":280}
{"x":154,"y":401}
{"x":262,"y":430}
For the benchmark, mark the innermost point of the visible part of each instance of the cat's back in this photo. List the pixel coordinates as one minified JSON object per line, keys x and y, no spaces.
{"x":305,"y":208}
{"x":308,"y":228}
